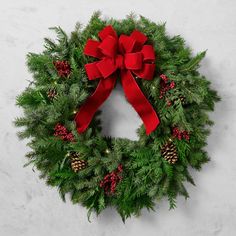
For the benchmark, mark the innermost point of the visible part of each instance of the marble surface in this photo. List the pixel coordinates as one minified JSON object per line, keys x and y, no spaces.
{"x":28,"y":207}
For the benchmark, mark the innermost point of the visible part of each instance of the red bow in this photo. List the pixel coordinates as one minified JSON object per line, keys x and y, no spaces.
{"x":129,"y":55}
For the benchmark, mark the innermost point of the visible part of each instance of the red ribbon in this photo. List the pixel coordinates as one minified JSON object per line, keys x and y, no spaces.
{"x":129,"y":55}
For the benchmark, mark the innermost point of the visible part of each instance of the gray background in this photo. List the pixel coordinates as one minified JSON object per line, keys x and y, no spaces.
{"x":28,"y":207}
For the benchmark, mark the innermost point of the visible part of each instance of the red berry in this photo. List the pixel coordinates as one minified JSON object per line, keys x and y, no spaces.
{"x":164,"y":78}
{"x":172,"y":84}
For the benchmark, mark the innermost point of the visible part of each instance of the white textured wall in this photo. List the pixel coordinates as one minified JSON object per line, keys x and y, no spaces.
{"x":29,"y":208}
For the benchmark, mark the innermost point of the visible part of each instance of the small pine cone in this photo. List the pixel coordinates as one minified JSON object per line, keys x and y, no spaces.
{"x":182,"y":99}
{"x":76,"y":163}
{"x":52,"y":93}
{"x":169,"y":152}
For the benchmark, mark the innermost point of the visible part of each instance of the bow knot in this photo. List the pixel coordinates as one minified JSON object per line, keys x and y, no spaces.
{"x":130,"y":56}
{"x":119,"y":61}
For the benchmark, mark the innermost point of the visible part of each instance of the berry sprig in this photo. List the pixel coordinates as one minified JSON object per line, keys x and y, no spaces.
{"x":63,"y":68}
{"x":180,"y":134}
{"x":111,"y":180}
{"x":61,"y":132}
{"x":166,"y":85}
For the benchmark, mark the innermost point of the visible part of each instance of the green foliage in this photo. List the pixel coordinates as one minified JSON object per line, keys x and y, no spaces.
{"x":193,"y":64}
{"x":147,"y":177}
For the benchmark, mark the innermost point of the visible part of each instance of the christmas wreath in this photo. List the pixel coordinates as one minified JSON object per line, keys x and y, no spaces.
{"x":74,"y":75}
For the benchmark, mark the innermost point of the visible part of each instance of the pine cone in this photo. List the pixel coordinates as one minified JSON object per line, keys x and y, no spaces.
{"x":169,"y":152}
{"x":182,"y":99}
{"x":76,"y":163}
{"x":52,"y":93}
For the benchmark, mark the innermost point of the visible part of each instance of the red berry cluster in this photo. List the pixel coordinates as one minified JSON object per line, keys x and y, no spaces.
{"x":165,"y":85}
{"x":63,"y":68}
{"x":180,"y":134}
{"x":111,"y":180}
{"x":61,"y":132}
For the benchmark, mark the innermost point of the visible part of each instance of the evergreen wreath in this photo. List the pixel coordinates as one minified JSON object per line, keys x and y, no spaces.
{"x":100,"y":171}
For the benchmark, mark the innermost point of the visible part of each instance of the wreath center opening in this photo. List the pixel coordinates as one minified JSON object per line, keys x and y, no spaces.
{"x":119,"y":119}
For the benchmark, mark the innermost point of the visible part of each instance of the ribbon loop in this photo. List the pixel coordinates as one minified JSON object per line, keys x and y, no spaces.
{"x":92,"y":71}
{"x":108,"y":46}
{"x":126,"y":43}
{"x":91,"y":49}
{"x":106,"y":31}
{"x":146,"y":72}
{"x":129,"y":55}
{"x":106,"y":67}
{"x":148,"y":53}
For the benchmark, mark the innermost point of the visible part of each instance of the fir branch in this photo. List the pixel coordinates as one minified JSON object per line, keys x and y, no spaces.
{"x":193,"y":63}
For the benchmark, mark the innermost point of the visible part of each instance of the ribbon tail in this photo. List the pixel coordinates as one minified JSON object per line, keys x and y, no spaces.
{"x":139,"y":102}
{"x":85,"y":114}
